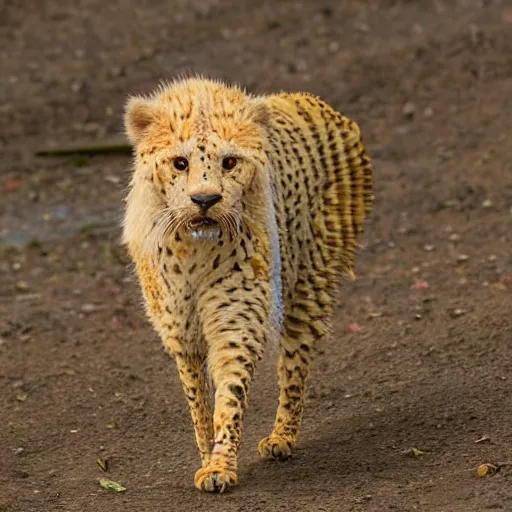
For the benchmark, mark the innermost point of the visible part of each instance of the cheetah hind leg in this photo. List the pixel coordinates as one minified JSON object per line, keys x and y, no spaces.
{"x":297,"y":348}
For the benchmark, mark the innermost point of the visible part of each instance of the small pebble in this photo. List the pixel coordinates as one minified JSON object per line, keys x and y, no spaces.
{"x":301,"y":65}
{"x":333,"y":47}
{"x":487,"y":204}
{"x":116,"y":71}
{"x":492,"y":257}
{"x":462,"y":257}
{"x":454,"y":237}
{"x":89,"y":308}
{"x":417,"y":29}
{"x":409,"y":109}
{"x":429,"y":247}
{"x":113,"y":179}
{"x":77,"y":86}
{"x":22,"y":286}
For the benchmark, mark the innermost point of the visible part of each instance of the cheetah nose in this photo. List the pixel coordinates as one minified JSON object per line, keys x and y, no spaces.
{"x":206,"y":201}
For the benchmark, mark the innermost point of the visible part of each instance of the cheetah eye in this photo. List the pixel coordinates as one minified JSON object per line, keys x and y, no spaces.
{"x":180,"y":163}
{"x":228,"y":163}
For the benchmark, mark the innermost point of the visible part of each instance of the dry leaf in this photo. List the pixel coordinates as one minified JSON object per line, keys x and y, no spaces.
{"x":103,"y":464}
{"x":11,"y":185}
{"x":421,"y":285}
{"x":354,"y":327}
{"x":487,"y":470}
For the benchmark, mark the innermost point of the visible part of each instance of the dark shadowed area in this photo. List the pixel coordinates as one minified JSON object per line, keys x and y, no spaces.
{"x":421,"y":354}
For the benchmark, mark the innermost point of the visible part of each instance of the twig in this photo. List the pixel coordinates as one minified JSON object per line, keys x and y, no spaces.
{"x":112,"y":145}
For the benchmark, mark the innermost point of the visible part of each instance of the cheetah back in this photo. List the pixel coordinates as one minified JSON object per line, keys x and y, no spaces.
{"x":323,"y":183}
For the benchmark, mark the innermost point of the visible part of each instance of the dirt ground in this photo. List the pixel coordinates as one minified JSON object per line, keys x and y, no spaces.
{"x":421,"y":356}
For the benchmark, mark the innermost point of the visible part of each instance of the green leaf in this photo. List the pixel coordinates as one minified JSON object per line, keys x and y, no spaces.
{"x":416,"y":452}
{"x":110,"y":485}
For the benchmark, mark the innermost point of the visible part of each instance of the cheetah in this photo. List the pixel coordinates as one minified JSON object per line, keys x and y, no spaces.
{"x":242,"y":216}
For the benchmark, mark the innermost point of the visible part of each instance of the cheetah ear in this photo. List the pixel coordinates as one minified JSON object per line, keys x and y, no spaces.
{"x":139,"y":114}
{"x":258,"y":112}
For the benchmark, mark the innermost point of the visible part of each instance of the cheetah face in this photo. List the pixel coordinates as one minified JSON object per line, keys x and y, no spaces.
{"x":198,"y":152}
{"x":202,"y":185}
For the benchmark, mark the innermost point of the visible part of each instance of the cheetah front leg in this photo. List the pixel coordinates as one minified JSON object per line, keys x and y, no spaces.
{"x":235,"y":336}
{"x":305,"y":323}
{"x":193,"y":377}
{"x":194,"y":380}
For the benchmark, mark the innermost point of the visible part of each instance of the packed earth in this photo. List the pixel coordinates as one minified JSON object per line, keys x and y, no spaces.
{"x":410,"y":405}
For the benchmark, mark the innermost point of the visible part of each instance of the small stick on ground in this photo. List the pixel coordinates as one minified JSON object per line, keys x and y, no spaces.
{"x":113,"y":145}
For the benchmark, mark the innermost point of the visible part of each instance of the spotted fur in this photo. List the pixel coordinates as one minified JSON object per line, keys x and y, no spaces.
{"x":266,"y":263}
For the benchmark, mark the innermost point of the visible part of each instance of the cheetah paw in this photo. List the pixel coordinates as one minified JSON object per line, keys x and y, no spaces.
{"x":275,"y":447}
{"x":215,"y":479}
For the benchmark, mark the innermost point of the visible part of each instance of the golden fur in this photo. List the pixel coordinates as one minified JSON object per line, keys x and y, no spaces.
{"x":288,"y":185}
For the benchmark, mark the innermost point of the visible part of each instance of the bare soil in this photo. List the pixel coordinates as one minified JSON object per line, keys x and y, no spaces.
{"x":421,"y":356}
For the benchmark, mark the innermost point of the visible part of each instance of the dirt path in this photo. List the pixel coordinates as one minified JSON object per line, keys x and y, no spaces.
{"x":81,"y":373}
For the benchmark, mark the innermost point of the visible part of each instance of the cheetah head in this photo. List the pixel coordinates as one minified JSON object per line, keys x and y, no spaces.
{"x":199,"y":149}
